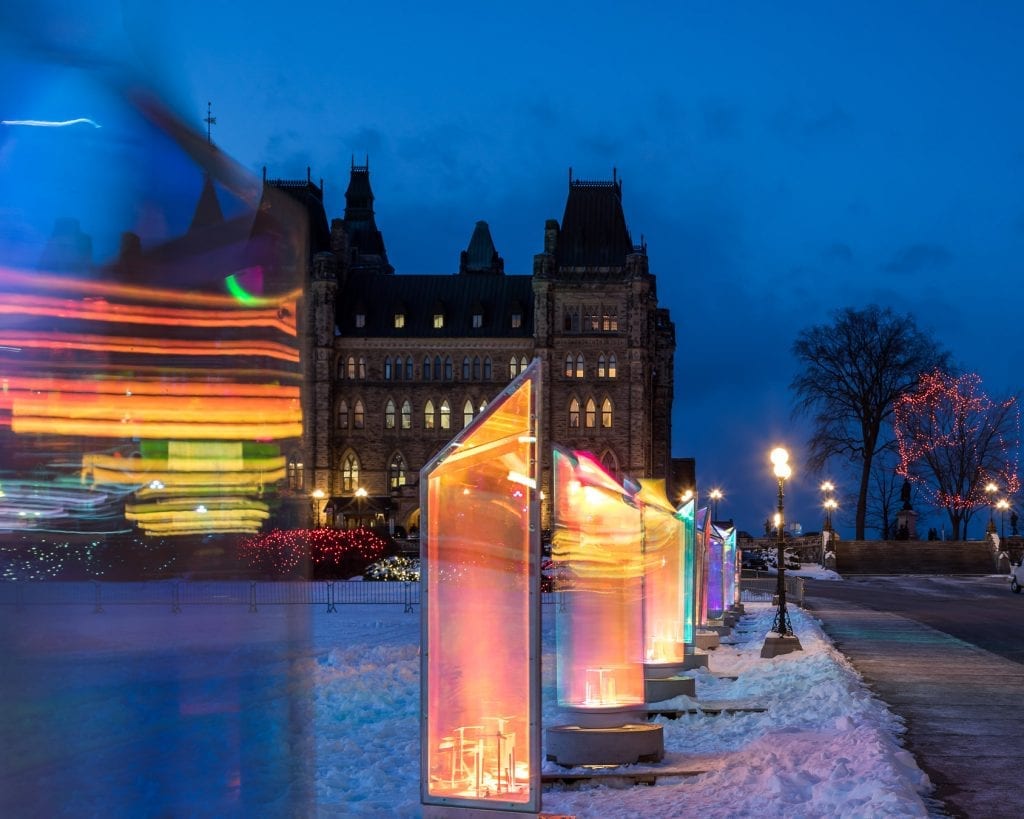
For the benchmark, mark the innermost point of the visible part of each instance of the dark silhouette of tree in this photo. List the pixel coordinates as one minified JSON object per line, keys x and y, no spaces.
{"x":852,"y":371}
{"x":884,"y":491}
{"x":954,"y":440}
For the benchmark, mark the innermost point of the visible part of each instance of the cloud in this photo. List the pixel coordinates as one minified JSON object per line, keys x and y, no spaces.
{"x":917,"y":258}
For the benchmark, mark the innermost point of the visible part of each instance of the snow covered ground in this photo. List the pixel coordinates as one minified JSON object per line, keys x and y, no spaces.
{"x":292,"y":711}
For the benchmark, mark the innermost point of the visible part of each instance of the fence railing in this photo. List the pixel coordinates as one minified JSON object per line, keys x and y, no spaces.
{"x":177,"y":594}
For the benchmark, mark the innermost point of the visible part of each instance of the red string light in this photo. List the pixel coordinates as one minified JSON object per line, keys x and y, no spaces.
{"x":329,"y":552}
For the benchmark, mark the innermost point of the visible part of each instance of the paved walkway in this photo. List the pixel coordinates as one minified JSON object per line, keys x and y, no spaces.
{"x":964,"y":707}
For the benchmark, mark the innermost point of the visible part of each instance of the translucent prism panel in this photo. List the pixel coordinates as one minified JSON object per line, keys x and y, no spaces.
{"x":730,"y":567}
{"x":685,"y":513}
{"x":716,"y":573}
{"x":599,"y":629}
{"x":701,"y":566}
{"x":481,"y":702}
{"x":663,"y":575}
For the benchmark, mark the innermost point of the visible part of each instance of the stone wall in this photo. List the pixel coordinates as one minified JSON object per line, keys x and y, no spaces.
{"x":915,"y":557}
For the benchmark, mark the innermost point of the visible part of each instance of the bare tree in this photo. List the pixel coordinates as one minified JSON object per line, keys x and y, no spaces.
{"x":954,"y":440}
{"x":884,"y":491}
{"x":852,"y":371}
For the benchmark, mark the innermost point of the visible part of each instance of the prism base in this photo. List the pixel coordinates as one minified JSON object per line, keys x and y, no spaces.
{"x":572,"y":745}
{"x":706,"y":640}
{"x":776,"y":646}
{"x":665,"y":688}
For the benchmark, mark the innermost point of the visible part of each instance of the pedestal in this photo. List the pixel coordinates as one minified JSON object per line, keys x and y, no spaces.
{"x":778,"y":645}
{"x":907,"y":518}
{"x":706,"y":640}
{"x":572,"y":745}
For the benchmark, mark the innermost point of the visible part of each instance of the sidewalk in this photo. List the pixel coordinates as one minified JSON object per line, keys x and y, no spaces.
{"x":960,"y":703}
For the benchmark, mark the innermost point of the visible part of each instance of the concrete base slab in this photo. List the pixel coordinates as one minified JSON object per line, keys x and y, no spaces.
{"x":611,"y":716}
{"x":572,"y":745}
{"x":706,"y":640}
{"x":665,"y":688}
{"x":737,"y":609}
{"x":694,"y":660}
{"x":776,"y":646}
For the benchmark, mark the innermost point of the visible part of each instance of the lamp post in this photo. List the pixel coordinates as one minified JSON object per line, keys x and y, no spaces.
{"x":830,"y":506}
{"x":317,"y":496}
{"x":784,"y":640}
{"x":1002,"y":505}
{"x":360,"y":496}
{"x":716,"y":496}
{"x":990,"y":490}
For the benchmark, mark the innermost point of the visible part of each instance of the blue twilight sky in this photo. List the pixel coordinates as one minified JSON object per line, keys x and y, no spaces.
{"x":780,"y":161}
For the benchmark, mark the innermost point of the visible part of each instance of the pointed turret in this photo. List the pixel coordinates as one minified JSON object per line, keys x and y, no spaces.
{"x":481,"y":255}
{"x":208,"y":212}
{"x":593,"y":231}
{"x":365,"y":240}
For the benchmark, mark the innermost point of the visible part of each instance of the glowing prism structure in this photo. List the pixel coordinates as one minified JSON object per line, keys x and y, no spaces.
{"x":686,"y":515}
{"x":716,"y":573}
{"x":597,"y":538}
{"x":480,"y":667}
{"x":703,"y":636}
{"x":730,"y":569}
{"x":663,"y":594}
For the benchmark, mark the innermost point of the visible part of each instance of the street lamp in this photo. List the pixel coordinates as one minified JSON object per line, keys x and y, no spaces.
{"x":1002,"y":505}
{"x":317,"y":495}
{"x":716,"y":496}
{"x":990,"y":490}
{"x":784,"y":640}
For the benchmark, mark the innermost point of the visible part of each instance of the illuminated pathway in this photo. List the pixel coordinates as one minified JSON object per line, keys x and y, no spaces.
{"x":960,"y":702}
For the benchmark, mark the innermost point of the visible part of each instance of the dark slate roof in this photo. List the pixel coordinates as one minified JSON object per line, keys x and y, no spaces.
{"x":383,"y":295}
{"x":359,"y":221}
{"x":481,"y":255}
{"x":275,"y":220}
{"x":594,"y":232}
{"x":208,"y":212}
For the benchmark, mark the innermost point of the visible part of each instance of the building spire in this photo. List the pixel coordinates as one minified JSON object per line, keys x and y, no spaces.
{"x":210,"y":121}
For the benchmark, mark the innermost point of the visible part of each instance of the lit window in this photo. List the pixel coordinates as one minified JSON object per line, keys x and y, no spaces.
{"x":606,"y":413}
{"x":296,"y":476}
{"x":465,"y":368}
{"x":574,"y":414}
{"x":600,"y":366}
{"x":438,"y":321}
{"x":358,"y":414}
{"x":387,"y":368}
{"x":517,"y":320}
{"x":351,"y":367}
{"x":406,"y":415}
{"x":487,"y":368}
{"x":522,"y":364}
{"x":396,"y":472}
{"x":579,"y":366}
{"x":467,"y":413}
{"x":483,"y":405}
{"x":610,"y":321}
{"x":360,"y":320}
{"x":611,"y":366}
{"x":593,"y":319}
{"x":389,"y":415}
{"x":350,"y":473}
{"x":569,"y":365}
{"x":446,"y":415}
{"x":591,"y":419}
{"x":513,"y":367}
{"x":428,"y":415}
{"x":362,"y":367}
{"x":399,"y":320}
{"x":343,"y":414}
{"x":341,"y":368}
{"x":478,"y":320}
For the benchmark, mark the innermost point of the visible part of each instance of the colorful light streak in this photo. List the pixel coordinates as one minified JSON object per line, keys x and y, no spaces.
{"x":87,"y":342}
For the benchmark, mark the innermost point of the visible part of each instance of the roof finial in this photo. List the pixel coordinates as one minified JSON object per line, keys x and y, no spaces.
{"x":615,"y":174}
{"x":210,"y":120}
{"x":570,"y":176}
{"x":264,"y":174}
{"x":309,"y":178}
{"x":367,"y":162}
{"x":353,"y":167}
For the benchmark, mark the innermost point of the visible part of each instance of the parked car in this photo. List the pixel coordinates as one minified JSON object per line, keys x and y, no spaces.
{"x":755,"y":561}
{"x":1016,"y":577}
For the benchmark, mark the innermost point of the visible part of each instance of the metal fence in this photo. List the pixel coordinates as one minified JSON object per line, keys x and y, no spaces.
{"x":177,"y":594}
{"x":763,"y":589}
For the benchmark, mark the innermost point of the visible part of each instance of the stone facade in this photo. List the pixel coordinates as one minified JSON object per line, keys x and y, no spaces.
{"x":399,"y":363}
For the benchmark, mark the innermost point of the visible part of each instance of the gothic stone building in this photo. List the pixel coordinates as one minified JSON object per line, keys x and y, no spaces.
{"x":398,"y":364}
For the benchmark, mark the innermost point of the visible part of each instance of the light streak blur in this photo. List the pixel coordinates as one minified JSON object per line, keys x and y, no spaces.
{"x":46,"y":123}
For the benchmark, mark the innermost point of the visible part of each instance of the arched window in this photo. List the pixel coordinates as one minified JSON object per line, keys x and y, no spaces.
{"x":408,"y":368}
{"x":446,"y":414}
{"x":426,"y":368}
{"x":465,"y":368}
{"x":342,"y":414}
{"x":406,"y":415}
{"x":349,"y":472}
{"x":487,"y":368}
{"x":611,"y":365}
{"x":476,"y":368}
{"x":522,"y":364}
{"x":600,"y":366}
{"x":569,"y":365}
{"x":296,"y":474}
{"x":513,"y":367}
{"x":428,"y":415}
{"x":389,"y":415}
{"x":606,"y":413}
{"x":610,"y":462}
{"x":467,"y":413}
{"x":341,"y":368}
{"x":579,"y":366}
{"x":483,"y":405}
{"x":591,"y":418}
{"x":351,"y":367}
{"x":396,"y":471}
{"x":437,"y":368}
{"x":447,"y":368}
{"x":574,"y":414}
{"x":358,"y":415}
{"x":387,"y":368}
{"x":362,"y":366}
